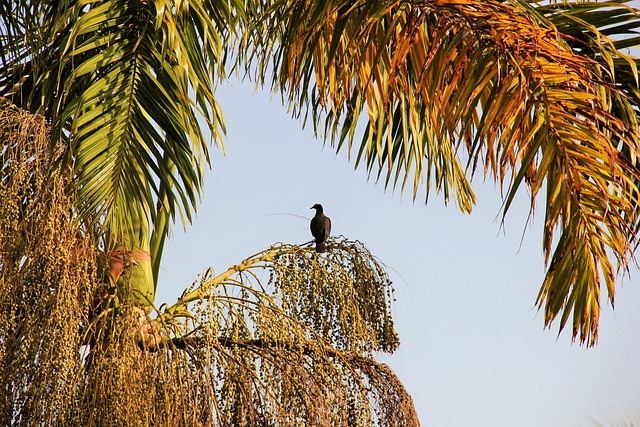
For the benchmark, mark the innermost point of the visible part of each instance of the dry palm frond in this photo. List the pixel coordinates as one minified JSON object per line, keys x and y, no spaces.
{"x":447,"y":88}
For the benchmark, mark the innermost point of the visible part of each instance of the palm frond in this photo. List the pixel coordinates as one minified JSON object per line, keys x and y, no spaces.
{"x":451,"y":87}
{"x":126,"y":84}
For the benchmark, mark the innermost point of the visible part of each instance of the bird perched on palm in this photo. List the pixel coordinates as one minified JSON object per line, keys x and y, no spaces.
{"x":320,"y":228}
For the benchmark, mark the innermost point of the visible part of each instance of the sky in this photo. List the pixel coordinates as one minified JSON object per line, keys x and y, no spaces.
{"x":474,"y":351}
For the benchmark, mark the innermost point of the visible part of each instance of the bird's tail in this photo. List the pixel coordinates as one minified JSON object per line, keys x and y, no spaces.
{"x":321,"y":246}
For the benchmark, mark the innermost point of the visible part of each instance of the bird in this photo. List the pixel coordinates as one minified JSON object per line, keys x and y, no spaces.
{"x":320,"y":228}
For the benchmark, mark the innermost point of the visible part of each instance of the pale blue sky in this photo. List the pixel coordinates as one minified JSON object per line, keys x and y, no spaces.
{"x":473,"y":350}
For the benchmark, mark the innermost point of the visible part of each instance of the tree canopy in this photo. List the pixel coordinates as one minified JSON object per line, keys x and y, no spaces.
{"x":542,"y":97}
{"x":107,"y":133}
{"x":294,"y":346}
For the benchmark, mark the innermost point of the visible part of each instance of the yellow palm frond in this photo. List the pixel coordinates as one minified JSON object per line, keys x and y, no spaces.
{"x":450,"y":87}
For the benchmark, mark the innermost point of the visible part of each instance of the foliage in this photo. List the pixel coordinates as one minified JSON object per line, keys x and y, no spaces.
{"x":286,"y":337}
{"x":343,"y":295}
{"x":539,"y":96}
{"x":535,"y":95}
{"x":124,"y":84}
{"x":295,"y":347}
{"x":46,"y":275}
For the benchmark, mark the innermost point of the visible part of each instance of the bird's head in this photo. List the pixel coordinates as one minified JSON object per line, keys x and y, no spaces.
{"x":317,"y":207}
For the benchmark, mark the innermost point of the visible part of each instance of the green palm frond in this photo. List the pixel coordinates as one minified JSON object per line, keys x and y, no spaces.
{"x":126,"y":83}
{"x":448,"y":88}
{"x":135,"y":124}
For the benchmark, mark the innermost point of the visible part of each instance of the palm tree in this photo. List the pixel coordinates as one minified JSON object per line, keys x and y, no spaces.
{"x":540,"y":95}
{"x":235,"y":349}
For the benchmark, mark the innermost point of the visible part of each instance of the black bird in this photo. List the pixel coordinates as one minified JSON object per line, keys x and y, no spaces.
{"x":320,"y":228}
